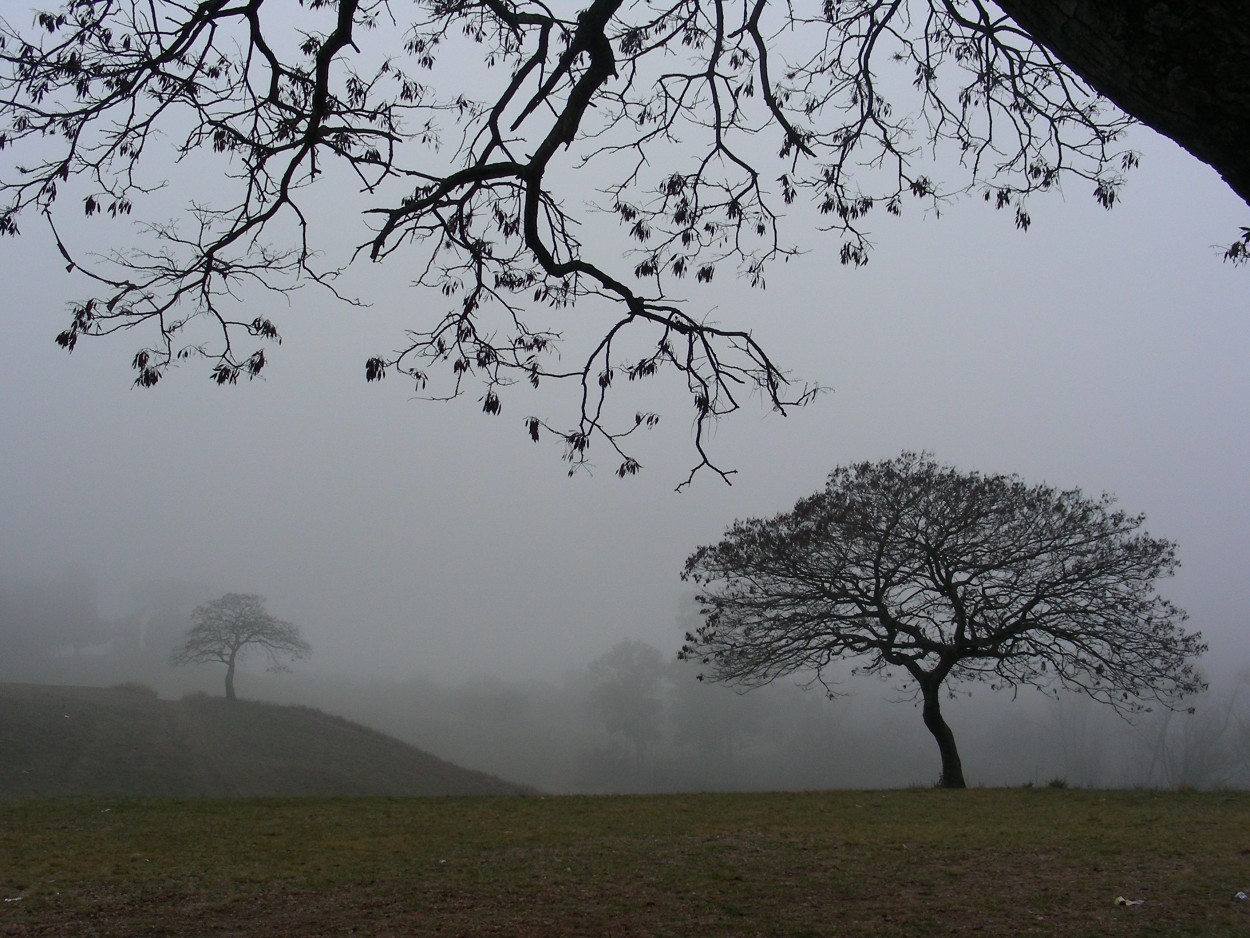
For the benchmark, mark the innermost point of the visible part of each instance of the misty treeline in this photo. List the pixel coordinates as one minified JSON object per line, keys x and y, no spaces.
{"x":60,"y":627}
{"x":635,"y":719}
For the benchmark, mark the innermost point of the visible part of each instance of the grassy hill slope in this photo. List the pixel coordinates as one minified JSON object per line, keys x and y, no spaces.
{"x":87,"y":741}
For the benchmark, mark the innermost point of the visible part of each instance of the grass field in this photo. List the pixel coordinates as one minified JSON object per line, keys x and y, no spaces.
{"x":917,"y":862}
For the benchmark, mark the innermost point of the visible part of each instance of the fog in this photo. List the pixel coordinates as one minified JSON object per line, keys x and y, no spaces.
{"x":456,"y":585}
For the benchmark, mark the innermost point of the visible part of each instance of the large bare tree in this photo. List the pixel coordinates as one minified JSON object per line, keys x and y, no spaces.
{"x":1176,"y":67}
{"x":228,"y":629}
{"x":913,"y":569}
{"x":479,"y":137}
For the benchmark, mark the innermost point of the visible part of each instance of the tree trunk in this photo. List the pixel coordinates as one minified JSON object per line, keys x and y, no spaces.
{"x":230,"y":679}
{"x":1180,"y":68}
{"x":952,"y":768}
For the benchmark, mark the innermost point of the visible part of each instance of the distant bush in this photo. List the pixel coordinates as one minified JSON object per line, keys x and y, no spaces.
{"x":134,"y":687}
{"x":1057,"y":782}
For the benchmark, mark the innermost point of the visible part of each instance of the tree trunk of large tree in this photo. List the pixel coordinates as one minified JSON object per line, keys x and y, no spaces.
{"x":952,"y":768}
{"x":1182,"y":68}
{"x":230,"y":679}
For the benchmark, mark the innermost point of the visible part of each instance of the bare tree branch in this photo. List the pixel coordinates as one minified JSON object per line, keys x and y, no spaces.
{"x":454,"y":128}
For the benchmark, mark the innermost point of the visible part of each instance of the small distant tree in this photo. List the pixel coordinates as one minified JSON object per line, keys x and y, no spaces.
{"x":947,"y":576}
{"x":229,"y":628}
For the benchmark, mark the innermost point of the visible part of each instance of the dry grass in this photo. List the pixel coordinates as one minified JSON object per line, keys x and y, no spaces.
{"x":1046,"y":862}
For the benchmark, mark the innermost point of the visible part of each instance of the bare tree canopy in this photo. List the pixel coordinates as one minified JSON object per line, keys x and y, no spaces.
{"x":946,"y":576}
{"x":226,"y":630}
{"x":479,"y":139}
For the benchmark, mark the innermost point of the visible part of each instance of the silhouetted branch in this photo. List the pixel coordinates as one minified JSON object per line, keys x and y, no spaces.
{"x":453,"y":127}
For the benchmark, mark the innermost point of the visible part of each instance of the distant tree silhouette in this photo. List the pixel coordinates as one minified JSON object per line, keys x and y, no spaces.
{"x":627,"y":693}
{"x":229,"y":628}
{"x":946,"y":576}
{"x":455,"y":129}
{"x":44,"y":618}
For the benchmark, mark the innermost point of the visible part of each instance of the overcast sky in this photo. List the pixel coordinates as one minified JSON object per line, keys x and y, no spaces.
{"x":1105,"y":350}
